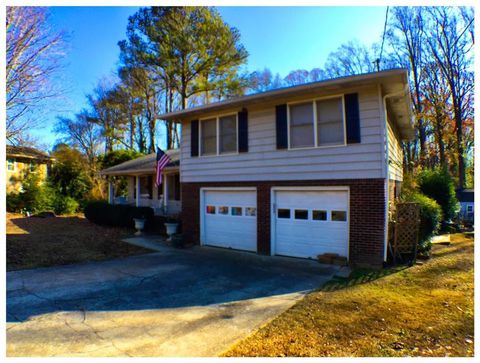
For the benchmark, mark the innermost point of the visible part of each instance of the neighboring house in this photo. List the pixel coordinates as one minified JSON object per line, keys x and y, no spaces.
{"x":466,"y":198}
{"x":21,"y":161}
{"x":140,"y":174}
{"x":297,"y":171}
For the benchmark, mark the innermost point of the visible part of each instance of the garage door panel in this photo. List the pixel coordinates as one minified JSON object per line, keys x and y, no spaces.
{"x":308,"y":237}
{"x":228,"y":230}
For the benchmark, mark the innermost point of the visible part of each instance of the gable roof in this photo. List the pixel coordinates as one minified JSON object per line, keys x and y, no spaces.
{"x":142,"y":165}
{"x":27,"y":152}
{"x":392,"y":80}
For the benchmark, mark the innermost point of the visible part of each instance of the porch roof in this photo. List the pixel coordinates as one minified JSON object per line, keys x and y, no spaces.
{"x":143,"y":165}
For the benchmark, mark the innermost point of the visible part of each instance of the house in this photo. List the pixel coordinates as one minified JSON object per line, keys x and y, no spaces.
{"x":466,"y":198}
{"x":297,"y":171}
{"x":22,"y":160}
{"x":140,"y":175}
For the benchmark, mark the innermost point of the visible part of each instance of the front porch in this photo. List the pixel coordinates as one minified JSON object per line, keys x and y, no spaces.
{"x":140,"y":190}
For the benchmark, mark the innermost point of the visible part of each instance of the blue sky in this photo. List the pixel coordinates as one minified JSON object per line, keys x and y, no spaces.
{"x":280,"y":38}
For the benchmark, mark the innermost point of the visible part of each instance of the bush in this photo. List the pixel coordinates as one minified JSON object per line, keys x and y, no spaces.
{"x":438,"y":185}
{"x":36,"y":196}
{"x":14,"y":203}
{"x":65,"y":205}
{"x":430,"y":218}
{"x":100,"y":212}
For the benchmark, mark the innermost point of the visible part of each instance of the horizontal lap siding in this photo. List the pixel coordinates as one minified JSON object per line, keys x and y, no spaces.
{"x":264,"y":162}
{"x":395,"y":155}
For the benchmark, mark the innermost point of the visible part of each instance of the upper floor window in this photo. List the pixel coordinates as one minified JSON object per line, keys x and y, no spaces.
{"x":317,"y":123}
{"x":218,"y":135}
{"x":32,"y":167}
{"x":10,"y":164}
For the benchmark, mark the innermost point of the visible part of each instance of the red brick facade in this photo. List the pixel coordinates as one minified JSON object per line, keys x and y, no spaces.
{"x":367,"y":214}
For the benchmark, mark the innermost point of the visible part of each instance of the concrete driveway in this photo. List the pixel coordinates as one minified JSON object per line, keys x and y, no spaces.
{"x":191,"y":302}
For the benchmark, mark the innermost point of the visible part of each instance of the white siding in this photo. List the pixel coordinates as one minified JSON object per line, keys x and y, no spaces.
{"x":395,"y":154}
{"x":264,"y":162}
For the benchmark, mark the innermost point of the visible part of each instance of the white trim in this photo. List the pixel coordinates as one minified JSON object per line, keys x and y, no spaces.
{"x":315,"y":122}
{"x":273,"y":190}
{"x":202,"y":206}
{"x":217,"y":134}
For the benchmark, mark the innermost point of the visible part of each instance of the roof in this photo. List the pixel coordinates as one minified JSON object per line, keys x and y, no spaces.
{"x":142,"y":165}
{"x":27,"y":152}
{"x":466,"y":195}
{"x":393,"y":81}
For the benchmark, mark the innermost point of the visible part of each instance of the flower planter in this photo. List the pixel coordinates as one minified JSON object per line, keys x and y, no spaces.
{"x":171,"y":229}
{"x":139,"y":225}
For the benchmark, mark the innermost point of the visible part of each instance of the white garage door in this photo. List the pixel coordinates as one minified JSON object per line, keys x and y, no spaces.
{"x":230,"y":219}
{"x":309,"y":223}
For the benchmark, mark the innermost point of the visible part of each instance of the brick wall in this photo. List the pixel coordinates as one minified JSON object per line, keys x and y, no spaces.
{"x":367,"y":214}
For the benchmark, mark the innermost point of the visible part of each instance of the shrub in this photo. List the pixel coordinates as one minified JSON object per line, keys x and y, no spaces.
{"x":100,"y":212}
{"x":14,"y":203}
{"x":430,"y":217}
{"x":65,"y":205}
{"x":36,"y":196}
{"x":438,"y":185}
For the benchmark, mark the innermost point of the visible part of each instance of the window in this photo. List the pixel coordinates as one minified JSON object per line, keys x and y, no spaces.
{"x":283,"y":213}
{"x":210,"y":209}
{"x":218,"y":135}
{"x":319,"y":215}
{"x":301,"y":125}
{"x":228,"y":134}
{"x":173,"y":186}
{"x":146,"y":183}
{"x":236,"y":211}
{"x":338,"y":215}
{"x":251,"y":212}
{"x":10,"y":164}
{"x":222,"y":210}
{"x":208,"y":142}
{"x":316,"y":123}
{"x":301,"y":214}
{"x":330,"y":122}
{"x":469,"y":208}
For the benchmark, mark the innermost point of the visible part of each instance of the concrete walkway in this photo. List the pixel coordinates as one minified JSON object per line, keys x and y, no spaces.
{"x":192,"y":302}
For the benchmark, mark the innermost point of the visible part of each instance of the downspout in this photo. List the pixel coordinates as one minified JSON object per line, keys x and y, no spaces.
{"x":386,"y":169}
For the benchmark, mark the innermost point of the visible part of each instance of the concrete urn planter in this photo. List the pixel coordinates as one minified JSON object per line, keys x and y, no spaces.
{"x":139,"y":225}
{"x":171,"y":229}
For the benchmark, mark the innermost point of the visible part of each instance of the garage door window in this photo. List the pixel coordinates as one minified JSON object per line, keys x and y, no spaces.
{"x":284,"y":213}
{"x":319,"y":215}
{"x":210,"y":209}
{"x":251,"y":212}
{"x":222,"y":210}
{"x":340,"y":216}
{"x":236,"y":211}
{"x":301,"y":214}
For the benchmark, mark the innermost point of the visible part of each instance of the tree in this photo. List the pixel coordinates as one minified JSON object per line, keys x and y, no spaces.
{"x":349,"y":59}
{"x":450,"y":45}
{"x":294,"y":78}
{"x":33,"y":54}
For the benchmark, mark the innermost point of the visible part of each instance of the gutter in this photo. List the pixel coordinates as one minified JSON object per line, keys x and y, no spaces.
{"x":387,"y":164}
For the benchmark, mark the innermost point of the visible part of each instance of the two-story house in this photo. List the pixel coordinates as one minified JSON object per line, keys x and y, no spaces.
{"x":297,"y":171}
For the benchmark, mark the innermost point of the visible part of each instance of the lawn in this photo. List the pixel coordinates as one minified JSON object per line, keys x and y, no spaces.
{"x":424,"y":310}
{"x":40,"y":242}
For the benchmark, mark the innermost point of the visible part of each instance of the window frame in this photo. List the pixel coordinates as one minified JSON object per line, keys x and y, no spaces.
{"x":217,"y":134}
{"x":313,"y":101}
{"x":12,"y":163}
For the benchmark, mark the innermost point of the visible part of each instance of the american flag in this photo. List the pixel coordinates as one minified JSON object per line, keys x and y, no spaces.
{"x":162,"y":160}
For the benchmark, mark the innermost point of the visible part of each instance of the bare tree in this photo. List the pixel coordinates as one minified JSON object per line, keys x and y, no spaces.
{"x":33,"y":55}
{"x":349,"y":59}
{"x":450,"y":45}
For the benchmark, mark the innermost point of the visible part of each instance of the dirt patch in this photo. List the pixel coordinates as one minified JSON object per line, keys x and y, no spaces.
{"x":41,"y":242}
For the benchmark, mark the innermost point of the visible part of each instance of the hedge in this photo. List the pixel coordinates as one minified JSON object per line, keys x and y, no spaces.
{"x":119,"y":215}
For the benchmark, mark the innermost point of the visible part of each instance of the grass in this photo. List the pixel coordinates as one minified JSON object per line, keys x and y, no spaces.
{"x":42,"y":242}
{"x":424,"y":310}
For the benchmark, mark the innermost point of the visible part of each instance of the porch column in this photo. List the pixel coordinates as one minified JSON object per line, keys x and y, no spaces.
{"x":137,"y":188}
{"x":165,"y":192}
{"x":110,"y":191}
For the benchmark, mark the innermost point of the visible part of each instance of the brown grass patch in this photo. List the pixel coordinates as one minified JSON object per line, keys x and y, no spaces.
{"x":41,"y":242}
{"x":425,"y":310}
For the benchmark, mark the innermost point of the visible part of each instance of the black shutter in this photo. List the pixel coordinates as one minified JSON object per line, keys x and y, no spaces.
{"x":352,"y":114}
{"x":282,"y":127}
{"x":243,"y":131}
{"x":194,"y":138}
